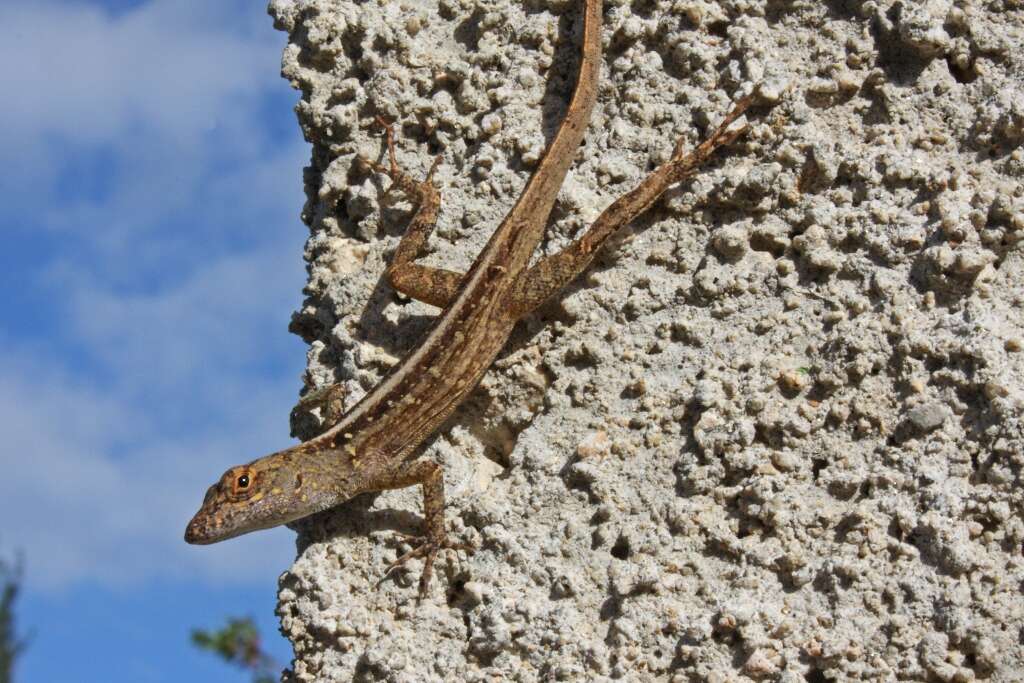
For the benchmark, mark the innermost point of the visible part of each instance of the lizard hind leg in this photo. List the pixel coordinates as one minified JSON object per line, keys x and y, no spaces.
{"x":551,"y":274}
{"x":435,"y":286}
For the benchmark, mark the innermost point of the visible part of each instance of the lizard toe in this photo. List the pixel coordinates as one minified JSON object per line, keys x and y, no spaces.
{"x":427,"y":548}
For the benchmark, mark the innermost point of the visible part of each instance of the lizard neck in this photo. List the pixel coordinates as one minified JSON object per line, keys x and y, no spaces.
{"x":322,"y":472}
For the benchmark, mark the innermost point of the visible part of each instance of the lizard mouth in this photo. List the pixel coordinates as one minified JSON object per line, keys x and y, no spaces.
{"x":206,"y":529}
{"x":198,"y":533}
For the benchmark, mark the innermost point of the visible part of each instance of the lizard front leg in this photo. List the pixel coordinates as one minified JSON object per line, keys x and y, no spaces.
{"x":331,"y":402}
{"x":429,"y":475}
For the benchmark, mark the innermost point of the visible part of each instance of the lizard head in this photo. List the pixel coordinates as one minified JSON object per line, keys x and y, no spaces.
{"x":260,"y":495}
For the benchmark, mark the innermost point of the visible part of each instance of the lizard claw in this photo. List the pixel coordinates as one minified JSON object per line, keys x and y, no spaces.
{"x":427,"y":548}
{"x":401,"y":179}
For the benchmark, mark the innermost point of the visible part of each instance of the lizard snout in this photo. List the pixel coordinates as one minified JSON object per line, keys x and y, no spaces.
{"x":196,"y":532}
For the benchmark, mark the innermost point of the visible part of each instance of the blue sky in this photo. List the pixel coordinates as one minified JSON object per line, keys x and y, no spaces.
{"x":150,"y":260}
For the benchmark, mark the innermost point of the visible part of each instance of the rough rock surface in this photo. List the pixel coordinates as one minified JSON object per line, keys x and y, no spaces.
{"x":775,"y":434}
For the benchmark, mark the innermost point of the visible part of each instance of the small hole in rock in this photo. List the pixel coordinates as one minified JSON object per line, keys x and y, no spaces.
{"x":817,"y":465}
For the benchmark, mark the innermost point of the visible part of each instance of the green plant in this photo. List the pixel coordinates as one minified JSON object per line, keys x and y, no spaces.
{"x":11,"y":645}
{"x":238,"y":643}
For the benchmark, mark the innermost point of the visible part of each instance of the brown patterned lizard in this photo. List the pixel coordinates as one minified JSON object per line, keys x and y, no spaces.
{"x":375,"y":445}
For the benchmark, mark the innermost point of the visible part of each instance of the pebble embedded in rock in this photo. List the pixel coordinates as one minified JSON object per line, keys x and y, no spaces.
{"x":928,"y":416}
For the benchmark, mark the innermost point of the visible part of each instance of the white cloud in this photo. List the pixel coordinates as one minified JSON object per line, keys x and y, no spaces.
{"x":75,"y":70}
{"x":81,"y":513}
{"x":149,"y":97}
{"x":174,"y":249}
{"x":231,"y":261}
{"x":104,"y":468}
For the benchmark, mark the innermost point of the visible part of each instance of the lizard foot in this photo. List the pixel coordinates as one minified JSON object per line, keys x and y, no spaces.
{"x":421,"y":189}
{"x":330,"y":400}
{"x":427,"y":548}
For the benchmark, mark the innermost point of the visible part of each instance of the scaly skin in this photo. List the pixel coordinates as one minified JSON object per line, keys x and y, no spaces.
{"x":374,"y":446}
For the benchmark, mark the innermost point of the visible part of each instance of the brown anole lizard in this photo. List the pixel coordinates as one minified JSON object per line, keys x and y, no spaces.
{"x":374,"y":446}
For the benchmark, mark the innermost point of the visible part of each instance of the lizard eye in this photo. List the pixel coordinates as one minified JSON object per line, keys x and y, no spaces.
{"x":242,"y":485}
